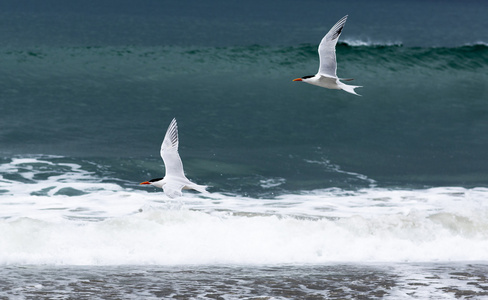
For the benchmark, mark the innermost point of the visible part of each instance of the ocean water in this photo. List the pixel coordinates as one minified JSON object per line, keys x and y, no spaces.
{"x":315,"y":193}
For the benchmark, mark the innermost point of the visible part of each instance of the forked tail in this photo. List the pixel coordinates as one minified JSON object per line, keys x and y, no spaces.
{"x":349,"y":88}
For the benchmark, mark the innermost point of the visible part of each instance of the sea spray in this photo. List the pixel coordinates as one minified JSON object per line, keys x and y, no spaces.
{"x":109,"y":224}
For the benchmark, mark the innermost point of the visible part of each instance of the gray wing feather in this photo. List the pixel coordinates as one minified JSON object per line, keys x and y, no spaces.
{"x":327,"y":53}
{"x":169,"y":152}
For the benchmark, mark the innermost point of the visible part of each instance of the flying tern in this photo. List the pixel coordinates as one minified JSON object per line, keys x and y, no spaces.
{"x":175,"y":180}
{"x":327,"y":74}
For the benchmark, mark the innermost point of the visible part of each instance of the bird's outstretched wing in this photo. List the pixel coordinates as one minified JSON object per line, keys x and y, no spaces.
{"x":169,"y":152}
{"x":327,"y":53}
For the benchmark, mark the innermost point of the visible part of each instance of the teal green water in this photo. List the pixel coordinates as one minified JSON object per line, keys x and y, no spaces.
{"x":422,"y":118}
{"x":99,"y":82}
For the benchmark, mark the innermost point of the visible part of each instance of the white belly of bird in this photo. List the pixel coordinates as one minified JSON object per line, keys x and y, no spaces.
{"x":326,"y":82}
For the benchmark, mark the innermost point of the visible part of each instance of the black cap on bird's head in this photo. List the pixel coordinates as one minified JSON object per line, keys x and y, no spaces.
{"x":304,"y":77}
{"x":152,"y":180}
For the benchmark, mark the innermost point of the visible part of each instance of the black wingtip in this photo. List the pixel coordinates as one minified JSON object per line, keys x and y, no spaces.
{"x":338,"y":32}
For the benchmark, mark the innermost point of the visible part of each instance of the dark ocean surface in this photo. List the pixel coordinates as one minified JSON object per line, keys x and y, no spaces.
{"x":421,"y":120}
{"x":318,"y":185}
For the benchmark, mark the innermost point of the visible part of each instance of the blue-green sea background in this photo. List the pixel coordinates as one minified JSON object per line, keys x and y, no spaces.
{"x":97,"y":82}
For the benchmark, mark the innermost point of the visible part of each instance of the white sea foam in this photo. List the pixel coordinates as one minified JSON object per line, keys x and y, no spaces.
{"x":369,"y":42}
{"x":477,"y":43}
{"x":271,"y":182}
{"x":106,"y":224}
{"x":337,"y":169}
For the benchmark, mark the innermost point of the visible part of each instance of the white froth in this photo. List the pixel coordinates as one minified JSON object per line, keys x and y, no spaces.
{"x":97,"y":223}
{"x":369,"y":42}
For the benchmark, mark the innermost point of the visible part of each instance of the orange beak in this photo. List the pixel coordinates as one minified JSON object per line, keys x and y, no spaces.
{"x":298,"y":79}
{"x":145,"y":182}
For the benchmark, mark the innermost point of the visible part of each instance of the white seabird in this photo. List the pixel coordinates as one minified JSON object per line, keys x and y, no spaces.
{"x":327,"y":74}
{"x":174,"y":180}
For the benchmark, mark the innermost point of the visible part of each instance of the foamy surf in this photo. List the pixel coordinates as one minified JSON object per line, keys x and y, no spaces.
{"x":370,"y":42}
{"x":60,"y":214}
